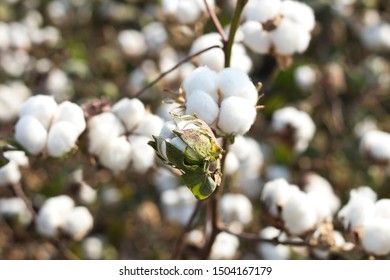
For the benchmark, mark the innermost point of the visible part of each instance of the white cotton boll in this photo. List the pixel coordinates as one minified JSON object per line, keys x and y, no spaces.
{"x":275,"y":171}
{"x":53,"y":214}
{"x":169,"y":6}
{"x":203,"y":105}
{"x":240,"y":59}
{"x":225,"y":247}
{"x":166,"y":109}
{"x":364,"y":192}
{"x":110,"y":196}
{"x":270,"y":251}
{"x":19,"y":157}
{"x":143,"y":155}
{"x":59,"y":85}
{"x":87,"y":195}
{"x":132,"y":43}
{"x":232,"y":164}
{"x":12,"y":97}
{"x":57,"y":11}
{"x":376,"y":37}
{"x":214,"y":58}
{"x":275,"y":194}
{"x":71,"y":112}
{"x":155,"y":35}
{"x":9,"y":174}
{"x":178,"y":204}
{"x":251,"y":165}
{"x":262,"y":10}
{"x":376,"y":236}
{"x":255,"y":38}
{"x":101,"y":128}
{"x":116,"y":154}
{"x":15,"y":62}
{"x":129,"y":111}
{"x":92,"y":248}
{"x":233,"y":82}
{"x":168,"y":58}
{"x":235,"y":208}
{"x":31,"y":134}
{"x":164,"y":179}
{"x":236,"y":116}
{"x":187,"y":11}
{"x":62,"y":138}
{"x":51,"y":35}
{"x":364,"y":126}
{"x":299,"y":213}
{"x":78,"y":222}
{"x":250,"y":185}
{"x":322,"y":207}
{"x":299,"y":12}
{"x":305,"y":76}
{"x":203,"y":79}
{"x":167,"y":130}
{"x":41,"y":107}
{"x":376,"y":144}
{"x":149,"y":125}
{"x":382,"y":208}
{"x":13,"y":208}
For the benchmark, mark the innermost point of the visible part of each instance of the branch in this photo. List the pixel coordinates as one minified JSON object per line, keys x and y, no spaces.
{"x":216,"y":22}
{"x":162,"y":75}
{"x":18,"y":191}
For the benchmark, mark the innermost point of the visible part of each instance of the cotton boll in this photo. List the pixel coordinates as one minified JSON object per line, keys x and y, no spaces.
{"x":169,"y":6}
{"x":15,"y":62}
{"x":12,"y":97}
{"x":235,"y":208}
{"x":255,"y":38}
{"x":240,"y":59}
{"x":270,"y":251}
{"x":19,"y":157}
{"x":15,"y":208}
{"x":225,"y":247}
{"x":232,"y":164}
{"x":305,"y":77}
{"x":233,"y":82}
{"x":299,"y":12}
{"x":203,"y":79}
{"x":165,"y":110}
{"x":132,"y":43}
{"x":187,"y":11}
{"x":41,"y":107}
{"x":129,"y":111}
{"x":364,"y":126}
{"x":150,"y":125}
{"x":299,"y":213}
{"x":143,"y":155}
{"x":61,"y":138}
{"x":19,"y":36}
{"x":116,"y":154}
{"x":53,"y":214}
{"x":214,"y":58}
{"x":4,"y":37}
{"x":78,"y":222}
{"x":31,"y":134}
{"x":262,"y":10}
{"x":236,"y":116}
{"x":376,"y":236}
{"x":71,"y":112}
{"x":364,"y":192}
{"x":201,"y":104}
{"x":9,"y":174}
{"x":87,"y":195}
{"x":110,"y":196}
{"x":155,"y":35}
{"x":376,"y":144}
{"x":92,"y":248}
{"x":59,"y":85}
{"x":382,"y":208}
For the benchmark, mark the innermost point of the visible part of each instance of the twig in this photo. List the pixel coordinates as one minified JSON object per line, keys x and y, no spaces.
{"x":18,"y":191}
{"x":162,"y":75}
{"x":216,"y":22}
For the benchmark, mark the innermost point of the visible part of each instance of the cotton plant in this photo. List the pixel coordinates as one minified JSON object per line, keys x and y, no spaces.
{"x":186,"y":11}
{"x":45,"y":127}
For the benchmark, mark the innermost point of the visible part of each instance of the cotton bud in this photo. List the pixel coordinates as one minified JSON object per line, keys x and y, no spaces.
{"x":225,"y":247}
{"x":41,"y":107}
{"x":376,"y":236}
{"x":31,"y":134}
{"x":132,"y":43}
{"x":78,"y":223}
{"x":296,"y":127}
{"x":130,"y":112}
{"x":270,"y":251}
{"x":235,"y":208}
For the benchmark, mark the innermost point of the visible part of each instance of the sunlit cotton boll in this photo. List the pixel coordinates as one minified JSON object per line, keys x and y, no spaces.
{"x":149,"y":125}
{"x":270,"y":251}
{"x":10,"y":173}
{"x":78,"y":223}
{"x":61,"y":138}
{"x":225,"y":247}
{"x":86,"y":194}
{"x":382,"y":208}
{"x":305,"y":77}
{"x":235,"y":207}
{"x":31,"y":134}
{"x":12,"y":97}
{"x":203,"y":79}
{"x":41,"y":107}
{"x":156,"y":35}
{"x":298,"y":12}
{"x":116,"y":154}
{"x":129,"y":111}
{"x":72,"y":113}
{"x":255,"y":37}
{"x":376,"y":145}
{"x":92,"y":247}
{"x":262,"y":10}
{"x":203,"y":105}
{"x":132,"y":43}
{"x":376,"y":236}
{"x":15,"y":208}
{"x":143,"y":155}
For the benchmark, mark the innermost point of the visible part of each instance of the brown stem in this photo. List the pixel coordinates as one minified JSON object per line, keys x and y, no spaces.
{"x":216,"y":22}
{"x":18,"y":191}
{"x":162,"y":75}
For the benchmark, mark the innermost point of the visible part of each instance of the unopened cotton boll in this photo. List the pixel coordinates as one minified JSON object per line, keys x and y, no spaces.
{"x":236,"y":116}
{"x":203,"y":105}
{"x":262,"y":10}
{"x":53,"y":214}
{"x":129,"y":111}
{"x":149,"y":125}
{"x":41,"y":107}
{"x":132,"y":43}
{"x":299,"y":213}
{"x":31,"y":134}
{"x":143,"y":155}
{"x":376,"y":236}
{"x":71,"y":112}
{"x":61,"y":138}
{"x":225,"y":247}
{"x":78,"y":223}
{"x":235,"y":207}
{"x":116,"y":154}
{"x":270,"y":251}
{"x":255,"y":38}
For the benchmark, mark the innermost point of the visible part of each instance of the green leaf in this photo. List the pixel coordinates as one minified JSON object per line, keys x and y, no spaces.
{"x":201,"y":185}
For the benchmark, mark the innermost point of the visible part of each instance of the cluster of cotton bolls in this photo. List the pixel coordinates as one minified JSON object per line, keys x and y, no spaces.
{"x":186,"y":11}
{"x":375,"y":33}
{"x":300,"y":211}
{"x":375,"y":145}
{"x":226,"y":100}
{"x":293,"y":126}
{"x":369,"y":219}
{"x":60,"y":215}
{"x":12,"y":95}
{"x":277,"y":27}
{"x":120,"y":137}
{"x":44,"y":126}
{"x":10,"y":172}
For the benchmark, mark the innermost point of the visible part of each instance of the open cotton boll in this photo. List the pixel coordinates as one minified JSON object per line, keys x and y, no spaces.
{"x":236,"y":116}
{"x":101,"y":128}
{"x":9,"y":174}
{"x":299,"y":213}
{"x":382,"y":208}
{"x":19,"y":157}
{"x":41,"y":107}
{"x":143,"y":155}
{"x":262,"y":10}
{"x":203,"y":79}
{"x":86,"y":194}
{"x":240,"y":59}
{"x":15,"y":208}
{"x":31,"y":134}
{"x":299,"y":12}
{"x":11,"y":98}
{"x":232,"y":164}
{"x":116,"y":154}
{"x":129,"y":111}
{"x":19,"y":36}
{"x":169,"y":6}
{"x":376,"y":144}
{"x":305,"y":77}
{"x":165,"y":110}
{"x":233,"y":82}
{"x":376,"y":236}
{"x":78,"y":222}
{"x":156,"y":35}
{"x":132,"y":43}
{"x":225,"y":247}
{"x":235,"y":208}
{"x":4,"y":36}
{"x":149,"y":125}
{"x":92,"y":247}
{"x":270,"y":251}
{"x":255,"y":38}
{"x":187,"y":11}
{"x":364,"y":192}
{"x":59,"y":85}
{"x":61,"y":138}
{"x":213,"y":58}
{"x":71,"y":112}
{"x":53,"y":214}
{"x":203,"y":105}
